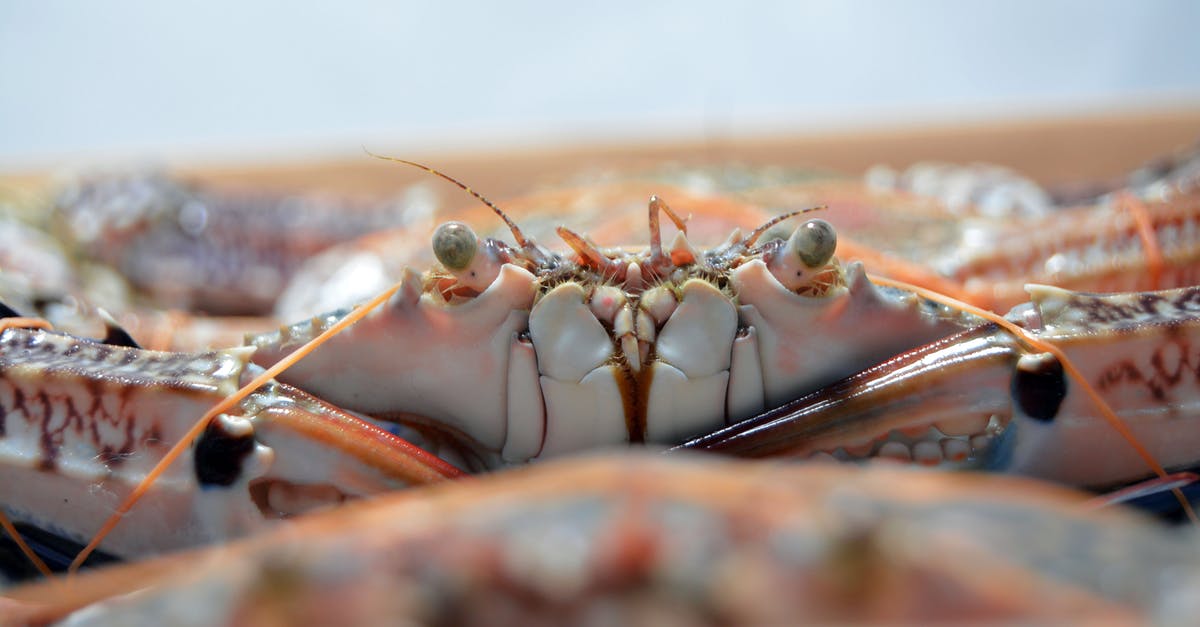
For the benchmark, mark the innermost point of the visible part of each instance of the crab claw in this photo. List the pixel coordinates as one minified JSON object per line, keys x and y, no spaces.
{"x":981,"y":397}
{"x":286,"y":453}
{"x":323,"y":455}
{"x":927,"y":404}
{"x":98,"y":423}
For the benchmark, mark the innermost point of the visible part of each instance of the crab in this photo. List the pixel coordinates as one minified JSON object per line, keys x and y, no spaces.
{"x":508,"y":353}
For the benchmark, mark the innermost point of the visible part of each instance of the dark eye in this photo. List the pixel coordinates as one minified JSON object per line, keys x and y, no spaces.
{"x":454,"y":244}
{"x":815,"y":242}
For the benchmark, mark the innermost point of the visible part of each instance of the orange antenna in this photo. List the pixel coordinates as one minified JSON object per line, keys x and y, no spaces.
{"x":25,"y":323}
{"x":1145,"y":229}
{"x":516,"y":231}
{"x":11,"y":529}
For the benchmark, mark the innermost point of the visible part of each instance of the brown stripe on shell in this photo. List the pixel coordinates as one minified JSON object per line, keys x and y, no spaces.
{"x":55,"y":352}
{"x":635,"y":398}
{"x":1083,"y":313}
{"x":1171,"y":364}
{"x":35,"y":366}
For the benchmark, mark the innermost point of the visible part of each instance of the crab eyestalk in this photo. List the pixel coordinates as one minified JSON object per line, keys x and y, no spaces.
{"x":814,"y":243}
{"x":455,"y":245}
{"x":475,"y":263}
{"x":799,"y":262}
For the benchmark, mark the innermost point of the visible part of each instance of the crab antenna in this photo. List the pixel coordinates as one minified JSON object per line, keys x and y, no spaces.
{"x":512,"y":226}
{"x":757,"y":233}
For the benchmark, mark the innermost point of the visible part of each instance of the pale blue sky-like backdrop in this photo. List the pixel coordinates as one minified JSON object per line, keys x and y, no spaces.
{"x":83,"y":82}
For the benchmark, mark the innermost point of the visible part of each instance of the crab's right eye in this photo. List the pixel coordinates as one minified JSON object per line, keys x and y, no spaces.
{"x":455,"y":245}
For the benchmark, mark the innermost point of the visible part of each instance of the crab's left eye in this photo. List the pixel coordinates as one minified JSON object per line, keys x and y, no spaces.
{"x":455,"y":245}
{"x":815,"y":242}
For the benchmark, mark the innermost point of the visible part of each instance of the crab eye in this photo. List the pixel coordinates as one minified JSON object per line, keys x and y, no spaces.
{"x":815,"y":242}
{"x":455,"y":244}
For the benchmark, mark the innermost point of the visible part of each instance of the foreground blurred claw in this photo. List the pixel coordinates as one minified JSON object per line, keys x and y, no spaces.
{"x":640,"y":539}
{"x":984,"y":398}
{"x":82,"y":422}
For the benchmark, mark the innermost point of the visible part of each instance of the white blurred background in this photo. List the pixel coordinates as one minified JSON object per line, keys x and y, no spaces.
{"x":82,"y":82}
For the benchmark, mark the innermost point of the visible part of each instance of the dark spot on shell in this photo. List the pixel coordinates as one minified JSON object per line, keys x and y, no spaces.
{"x":1039,"y":386}
{"x":117,"y":336}
{"x":219,"y":455}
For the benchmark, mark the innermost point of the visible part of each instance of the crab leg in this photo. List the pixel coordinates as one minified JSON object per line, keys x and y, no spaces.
{"x":82,"y":422}
{"x":1012,"y":407}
